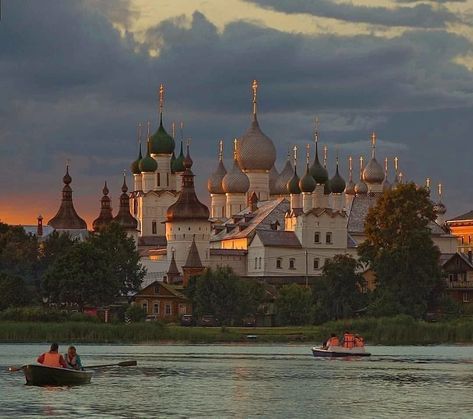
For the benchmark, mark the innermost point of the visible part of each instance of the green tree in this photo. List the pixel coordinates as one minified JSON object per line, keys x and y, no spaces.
{"x":400,"y":250}
{"x":225,"y":295}
{"x":294,"y":305}
{"x":18,"y":253}
{"x":135,"y":313}
{"x":122,"y":256}
{"x":339,"y":293}
{"x":81,"y":276}
{"x":13,"y":292}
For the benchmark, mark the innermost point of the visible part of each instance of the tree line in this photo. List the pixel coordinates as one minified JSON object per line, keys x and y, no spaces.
{"x":64,"y":271}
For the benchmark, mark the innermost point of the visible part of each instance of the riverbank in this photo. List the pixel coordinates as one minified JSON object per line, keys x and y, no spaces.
{"x":399,"y":330}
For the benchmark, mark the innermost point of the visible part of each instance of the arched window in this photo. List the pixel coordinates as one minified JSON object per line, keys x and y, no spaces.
{"x":292,"y":263}
{"x":328,"y":238}
{"x":316,"y":263}
{"x":159,"y":179}
{"x":256,"y":263}
{"x":316,"y":237}
{"x":154,"y":228}
{"x":279,"y":263}
{"x":259,"y":263}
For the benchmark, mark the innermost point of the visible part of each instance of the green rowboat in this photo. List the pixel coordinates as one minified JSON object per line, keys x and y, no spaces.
{"x":41,"y":375}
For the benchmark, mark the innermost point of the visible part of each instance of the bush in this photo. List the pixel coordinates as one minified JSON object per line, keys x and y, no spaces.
{"x":39,"y":314}
{"x":135,"y":313}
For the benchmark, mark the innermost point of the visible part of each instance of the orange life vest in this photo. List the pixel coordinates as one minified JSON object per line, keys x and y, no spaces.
{"x":333,"y":341}
{"x":348,"y":340}
{"x":51,"y":359}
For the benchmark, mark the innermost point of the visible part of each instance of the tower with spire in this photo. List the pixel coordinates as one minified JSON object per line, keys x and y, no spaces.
{"x":318,"y":172}
{"x":124,"y":217}
{"x":373,"y":173}
{"x":105,"y":217}
{"x":214,"y":186}
{"x":66,"y":218}
{"x":187,"y":220}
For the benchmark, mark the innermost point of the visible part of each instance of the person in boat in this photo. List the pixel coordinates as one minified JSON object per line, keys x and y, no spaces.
{"x":359,"y":341}
{"x":348,"y":340}
{"x":73,"y":359}
{"x":332,"y":341}
{"x":52,"y":358}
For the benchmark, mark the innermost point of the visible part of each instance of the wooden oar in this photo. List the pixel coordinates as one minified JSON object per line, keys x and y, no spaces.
{"x":120,"y":364}
{"x":15,"y":369}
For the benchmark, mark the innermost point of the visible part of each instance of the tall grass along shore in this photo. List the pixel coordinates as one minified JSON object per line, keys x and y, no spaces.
{"x":401,"y":330}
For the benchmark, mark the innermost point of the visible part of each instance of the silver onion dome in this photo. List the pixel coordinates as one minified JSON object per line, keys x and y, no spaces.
{"x":214,"y":183}
{"x":235,"y":181}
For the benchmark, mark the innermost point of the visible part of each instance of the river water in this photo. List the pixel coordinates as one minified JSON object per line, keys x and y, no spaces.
{"x":249,"y":381}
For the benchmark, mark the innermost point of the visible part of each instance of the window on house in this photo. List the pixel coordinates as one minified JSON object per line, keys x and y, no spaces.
{"x":154,"y":228}
{"x":159,"y":179}
{"x":259,"y":263}
{"x":167,"y":179}
{"x":279,"y":263}
{"x":168,"y":310}
{"x":292,"y":263}
{"x":145,"y":307}
{"x":156,"y":308}
{"x":328,"y":238}
{"x":256,"y":263}
{"x":182,"y":309}
{"x":316,"y":263}
{"x":316,"y":237}
{"x":156,"y":289}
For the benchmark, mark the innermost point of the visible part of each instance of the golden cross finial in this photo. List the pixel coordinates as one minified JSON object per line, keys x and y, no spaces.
{"x":350,"y":167}
{"x":361,"y":167}
{"x":385,"y":165}
{"x":294,"y":155}
{"x":161,"y":98}
{"x":427,"y":183}
{"x":68,"y":162}
{"x":181,"y":126}
{"x":147,"y":136}
{"x":220,"y":150}
{"x":173,"y":129}
{"x":254,"y":86}
{"x":325,"y":155}
{"x":396,"y":163}
{"x":307,"y":156}
{"x":400,"y":177}
{"x":139,"y":132}
{"x":188,"y":142}
{"x":235,"y":146}
{"x":124,"y":173}
{"x":373,"y":144}
{"x":440,"y":190}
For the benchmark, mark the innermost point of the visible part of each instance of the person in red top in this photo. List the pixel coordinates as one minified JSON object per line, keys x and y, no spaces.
{"x":52,"y":358}
{"x":359,"y":341}
{"x":332,"y":341}
{"x":348,"y":340}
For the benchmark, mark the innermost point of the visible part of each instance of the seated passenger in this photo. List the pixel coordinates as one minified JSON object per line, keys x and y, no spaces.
{"x":52,"y":358}
{"x":72,"y":359}
{"x":359,"y":341}
{"x":348,"y":340}
{"x":332,"y":341}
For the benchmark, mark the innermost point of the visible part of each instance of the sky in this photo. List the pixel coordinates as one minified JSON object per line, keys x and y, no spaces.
{"x":77,"y":77}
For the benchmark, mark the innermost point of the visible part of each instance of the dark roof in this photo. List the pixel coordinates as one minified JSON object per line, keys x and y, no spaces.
{"x":193,"y":258}
{"x":124,"y":217}
{"x":467,"y":216}
{"x":275,"y":238}
{"x":67,"y":217}
{"x":228,"y":252}
{"x":173,"y":267}
{"x":447,"y":257}
{"x":105,"y":217}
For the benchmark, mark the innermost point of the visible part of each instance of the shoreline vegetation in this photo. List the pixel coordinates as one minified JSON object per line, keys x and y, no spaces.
{"x":399,"y":330}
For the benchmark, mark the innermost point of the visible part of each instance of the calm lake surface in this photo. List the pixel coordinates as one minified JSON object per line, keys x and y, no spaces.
{"x":249,"y":381}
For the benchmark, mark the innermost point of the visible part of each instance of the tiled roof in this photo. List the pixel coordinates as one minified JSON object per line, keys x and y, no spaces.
{"x":193,"y":259}
{"x":267,"y":213}
{"x":467,"y":216}
{"x":278,"y":238}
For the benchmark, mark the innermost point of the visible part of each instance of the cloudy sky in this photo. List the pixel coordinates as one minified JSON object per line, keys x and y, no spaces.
{"x":77,"y":77}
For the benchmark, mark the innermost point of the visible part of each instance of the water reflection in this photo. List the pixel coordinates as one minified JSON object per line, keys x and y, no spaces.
{"x":243,"y":381}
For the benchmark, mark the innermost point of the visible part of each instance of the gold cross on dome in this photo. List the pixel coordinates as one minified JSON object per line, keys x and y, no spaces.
{"x":161,"y":97}
{"x":220,"y":150}
{"x":373,"y":138}
{"x":254,"y":86}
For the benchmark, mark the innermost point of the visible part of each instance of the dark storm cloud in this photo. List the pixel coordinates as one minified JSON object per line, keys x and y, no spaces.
{"x":421,"y":15}
{"x":72,"y":88}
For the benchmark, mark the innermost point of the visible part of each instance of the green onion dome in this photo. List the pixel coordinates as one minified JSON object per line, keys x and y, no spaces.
{"x":280,"y":185}
{"x":307,"y":182}
{"x":318,"y":172}
{"x":337,"y":183}
{"x":327,"y":187}
{"x":161,"y":141}
{"x":273,"y":177}
{"x":147,"y":163}
{"x":293,"y":184}
{"x":179,"y":163}
{"x":173,"y":162}
{"x":135,"y":166}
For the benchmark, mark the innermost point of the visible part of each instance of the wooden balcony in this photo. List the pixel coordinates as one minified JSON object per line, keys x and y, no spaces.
{"x":460,"y":285}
